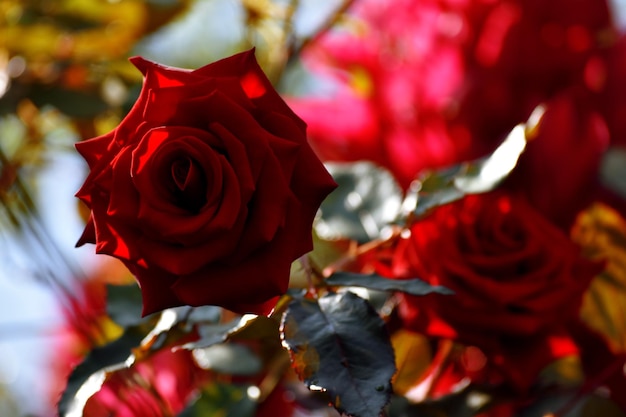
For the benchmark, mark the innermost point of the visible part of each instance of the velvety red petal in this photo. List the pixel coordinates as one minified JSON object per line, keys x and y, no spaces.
{"x":89,"y":234}
{"x":180,"y":259}
{"x":253,"y":81}
{"x":155,"y":287}
{"x":94,"y":149}
{"x":249,"y":284}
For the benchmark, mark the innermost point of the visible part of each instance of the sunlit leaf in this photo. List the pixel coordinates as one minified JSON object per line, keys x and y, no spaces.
{"x":467,"y":402}
{"x":438,"y":187}
{"x":565,"y":372}
{"x":487,"y":173}
{"x":413,"y":356}
{"x":601,"y":231}
{"x":228,"y":358}
{"x":367,"y":200}
{"x":339,"y":345}
{"x":98,"y":359}
{"x":323,"y":254}
{"x":247,"y":327}
{"x":613,"y":170}
{"x":377,"y":282}
{"x":124,"y":304}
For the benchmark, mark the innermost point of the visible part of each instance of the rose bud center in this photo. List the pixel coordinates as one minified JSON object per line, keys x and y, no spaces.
{"x":189,"y":184}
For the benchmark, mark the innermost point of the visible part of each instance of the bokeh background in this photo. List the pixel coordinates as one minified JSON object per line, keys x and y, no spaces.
{"x":64,"y":76}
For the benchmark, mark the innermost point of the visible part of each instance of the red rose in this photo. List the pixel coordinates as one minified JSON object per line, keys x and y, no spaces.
{"x":517,"y":281}
{"x":161,"y":385}
{"x":558,"y":170}
{"x":440,"y":82}
{"x":207,"y":189}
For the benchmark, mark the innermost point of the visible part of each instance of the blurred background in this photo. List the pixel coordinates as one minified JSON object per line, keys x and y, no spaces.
{"x":64,"y":77}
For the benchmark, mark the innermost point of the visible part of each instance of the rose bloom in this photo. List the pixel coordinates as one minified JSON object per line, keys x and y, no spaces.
{"x":517,"y":281}
{"x":161,"y":385}
{"x":207,"y":189}
{"x":436,"y":82}
{"x":558,"y":170}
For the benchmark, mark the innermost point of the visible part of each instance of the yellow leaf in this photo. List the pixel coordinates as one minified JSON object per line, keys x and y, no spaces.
{"x":601,"y":232}
{"x":413,"y":357}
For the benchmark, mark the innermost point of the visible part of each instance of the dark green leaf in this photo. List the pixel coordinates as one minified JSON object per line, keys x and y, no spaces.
{"x":246,"y":327}
{"x":222,"y":400}
{"x":228,"y":358}
{"x":435,"y":188}
{"x":485,"y":174}
{"x":376,"y":282}
{"x":124,"y":304}
{"x":467,"y":402}
{"x":613,"y":170}
{"x":99,"y":358}
{"x":432,"y":189}
{"x":79,"y":104}
{"x":572,"y":404}
{"x":204,"y":314}
{"x":366,"y":200}
{"x":339,"y":344}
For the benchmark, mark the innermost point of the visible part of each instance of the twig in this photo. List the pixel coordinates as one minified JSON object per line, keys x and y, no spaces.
{"x":295,"y":49}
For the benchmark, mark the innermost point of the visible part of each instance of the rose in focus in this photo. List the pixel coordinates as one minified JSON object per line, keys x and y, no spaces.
{"x":517,"y":281}
{"x":207,"y":189}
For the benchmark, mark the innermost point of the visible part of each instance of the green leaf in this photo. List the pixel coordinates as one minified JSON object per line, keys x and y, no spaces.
{"x":468,"y":402}
{"x":485,"y":174}
{"x":338,"y":344}
{"x":376,"y":282}
{"x":223,"y":400}
{"x":124,"y":304}
{"x":613,"y":170}
{"x":229,"y":358}
{"x":98,"y":359}
{"x":572,"y":404}
{"x":366,"y":200}
{"x":435,"y":188}
{"x":77,"y":104}
{"x":248,"y":326}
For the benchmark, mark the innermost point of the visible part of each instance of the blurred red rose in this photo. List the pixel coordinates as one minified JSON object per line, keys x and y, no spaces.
{"x":610,"y":75}
{"x":558,"y":170}
{"x":207,"y":189}
{"x":437,"y":82}
{"x":517,"y":281}
{"x":161,"y":385}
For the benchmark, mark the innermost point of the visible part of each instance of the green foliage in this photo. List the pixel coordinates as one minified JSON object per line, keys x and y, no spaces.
{"x":246,"y":327}
{"x":229,"y":358}
{"x":367,"y":200}
{"x":124,"y":304}
{"x":377,"y":282}
{"x":222,"y":400}
{"x":76,"y":104}
{"x":438,"y":187}
{"x":460,"y":404}
{"x":339,"y":345}
{"x":100,"y":358}
{"x":572,"y":405}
